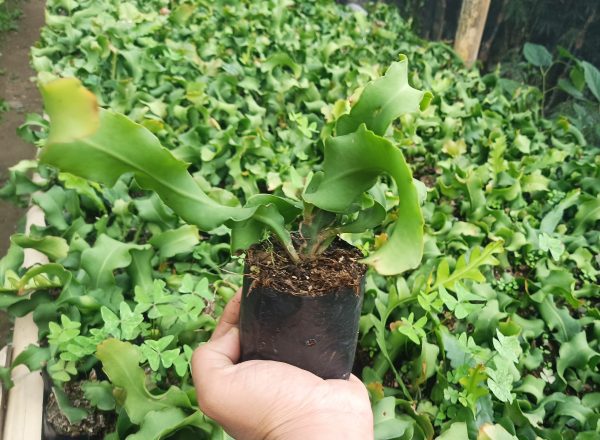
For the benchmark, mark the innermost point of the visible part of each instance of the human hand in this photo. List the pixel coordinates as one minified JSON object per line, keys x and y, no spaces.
{"x":274,"y":400}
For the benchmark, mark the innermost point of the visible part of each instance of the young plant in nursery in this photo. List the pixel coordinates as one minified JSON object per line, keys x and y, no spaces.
{"x":303,"y":285}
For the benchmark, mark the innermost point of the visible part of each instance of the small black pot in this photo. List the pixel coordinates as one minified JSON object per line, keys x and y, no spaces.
{"x":48,"y":431}
{"x":316,"y":333}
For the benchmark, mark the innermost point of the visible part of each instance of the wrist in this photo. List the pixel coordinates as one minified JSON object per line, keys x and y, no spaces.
{"x":349,"y":426}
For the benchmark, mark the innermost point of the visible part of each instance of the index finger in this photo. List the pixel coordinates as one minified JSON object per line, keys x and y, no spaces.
{"x":230,"y":317}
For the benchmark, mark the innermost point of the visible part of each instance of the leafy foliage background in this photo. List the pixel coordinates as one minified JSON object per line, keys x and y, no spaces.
{"x":494,"y":336}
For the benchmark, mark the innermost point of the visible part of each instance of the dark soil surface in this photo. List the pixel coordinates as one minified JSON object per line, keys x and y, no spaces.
{"x":21,"y":94}
{"x":335,"y":269}
{"x":96,"y":425}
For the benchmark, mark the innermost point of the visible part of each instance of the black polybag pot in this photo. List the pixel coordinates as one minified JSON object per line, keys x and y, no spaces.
{"x":315,"y":333}
{"x":48,"y":431}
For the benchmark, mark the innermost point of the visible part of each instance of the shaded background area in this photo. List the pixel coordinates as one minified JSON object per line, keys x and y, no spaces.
{"x":572,"y":24}
{"x":20,"y":96}
{"x":557,"y":25}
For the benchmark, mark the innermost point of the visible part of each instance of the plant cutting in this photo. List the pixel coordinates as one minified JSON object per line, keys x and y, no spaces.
{"x":303,"y":285}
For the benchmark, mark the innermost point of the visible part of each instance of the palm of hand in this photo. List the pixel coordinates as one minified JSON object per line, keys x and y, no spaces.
{"x":274,"y":400}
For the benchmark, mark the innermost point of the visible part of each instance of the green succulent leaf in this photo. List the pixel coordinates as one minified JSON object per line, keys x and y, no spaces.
{"x":532,"y":385}
{"x":368,"y":218}
{"x":177,"y":241}
{"x":54,"y":203}
{"x":152,"y":209}
{"x":587,"y":214}
{"x":284,"y":60}
{"x":384,"y":100}
{"x":55,"y":248}
{"x":33,"y":357}
{"x":99,"y":394}
{"x":494,"y":432}
{"x":73,"y":414}
{"x":559,"y":320}
{"x":273,"y":214}
{"x":11,"y":261}
{"x":388,"y":424}
{"x":467,"y":266}
{"x":160,"y":424}
{"x":104,"y":257}
{"x":84,"y":188}
{"x":553,"y":218}
{"x":46,"y":276}
{"x":120,"y":362}
{"x":578,"y":354}
{"x":352,"y":165}
{"x":114,"y":145}
{"x":454,"y":432}
{"x":140,"y":268}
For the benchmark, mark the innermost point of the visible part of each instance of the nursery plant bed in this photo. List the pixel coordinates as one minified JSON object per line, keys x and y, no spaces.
{"x":26,"y":409}
{"x":503,"y":305}
{"x":23,"y":417}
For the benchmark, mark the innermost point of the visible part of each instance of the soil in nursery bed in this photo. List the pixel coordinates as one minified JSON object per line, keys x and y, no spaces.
{"x":5,"y":326}
{"x":95,"y":426}
{"x":338,"y":267}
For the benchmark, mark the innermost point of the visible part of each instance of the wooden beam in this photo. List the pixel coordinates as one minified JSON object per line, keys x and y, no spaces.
{"x":471,"y":24}
{"x":4,"y":361}
{"x":25,"y":399}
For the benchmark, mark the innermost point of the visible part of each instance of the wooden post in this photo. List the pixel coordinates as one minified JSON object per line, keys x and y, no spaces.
{"x":473,"y":15}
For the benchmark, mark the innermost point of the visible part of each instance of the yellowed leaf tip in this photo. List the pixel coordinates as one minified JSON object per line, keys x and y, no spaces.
{"x":73,"y":110}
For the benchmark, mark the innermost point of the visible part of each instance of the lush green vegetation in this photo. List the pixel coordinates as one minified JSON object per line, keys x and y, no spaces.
{"x":8,"y":16}
{"x":579,"y":85}
{"x":8,"y":19}
{"x":495,"y":335}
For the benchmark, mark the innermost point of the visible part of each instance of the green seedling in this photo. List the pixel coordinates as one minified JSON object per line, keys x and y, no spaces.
{"x":342,"y":197}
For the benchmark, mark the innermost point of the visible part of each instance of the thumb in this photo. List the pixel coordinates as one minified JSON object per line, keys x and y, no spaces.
{"x":209,"y":365}
{"x":217,"y":354}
